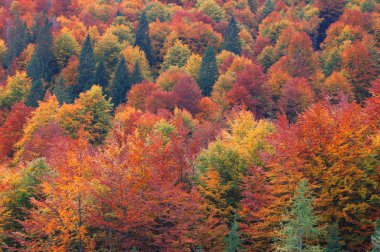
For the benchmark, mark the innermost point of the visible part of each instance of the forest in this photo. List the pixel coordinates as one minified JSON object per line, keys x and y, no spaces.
{"x":190,"y":125}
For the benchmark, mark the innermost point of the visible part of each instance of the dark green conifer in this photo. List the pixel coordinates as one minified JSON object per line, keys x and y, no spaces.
{"x":17,"y":41}
{"x":208,"y":73}
{"x":142,"y":37}
{"x":233,"y":241}
{"x":86,"y":68}
{"x":136,"y":75}
{"x":121,"y":83}
{"x":62,"y":92}
{"x":231,"y":40}
{"x":101,"y":77}
{"x":333,"y":243}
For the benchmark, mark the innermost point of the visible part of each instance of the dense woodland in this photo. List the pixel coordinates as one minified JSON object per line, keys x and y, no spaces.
{"x":190,"y":125}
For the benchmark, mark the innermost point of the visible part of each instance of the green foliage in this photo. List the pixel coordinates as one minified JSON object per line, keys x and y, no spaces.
{"x":143,"y":39}
{"x":101,"y":77}
{"x":231,"y":40}
{"x":36,"y":94}
{"x":63,"y":92}
{"x":233,"y":242}
{"x":121,"y":83}
{"x":136,"y":74}
{"x":17,"y":201}
{"x":375,"y":238}
{"x":208,"y":73}
{"x":212,"y":9}
{"x":157,"y":10}
{"x":65,"y":46}
{"x":107,"y":50}
{"x":300,"y":228}
{"x":333,"y":241}
{"x":267,"y":9}
{"x":18,"y":39}
{"x":86,"y":68}
{"x":16,"y":90}
{"x":177,"y":55}
{"x":368,"y":6}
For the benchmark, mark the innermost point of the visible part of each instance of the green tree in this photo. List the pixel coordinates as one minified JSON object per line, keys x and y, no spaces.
{"x":233,"y":242}
{"x":86,"y":68}
{"x":17,"y":201}
{"x":208,"y":73}
{"x":101,"y":77}
{"x":267,"y":9}
{"x":136,"y":74}
{"x":333,"y":243}
{"x":142,"y":37}
{"x":121,"y":83}
{"x":375,"y":238}
{"x":177,"y":55}
{"x":231,"y":40}
{"x":300,"y":228}
{"x":62,"y":91}
{"x":17,"y":40}
{"x":37,"y":93}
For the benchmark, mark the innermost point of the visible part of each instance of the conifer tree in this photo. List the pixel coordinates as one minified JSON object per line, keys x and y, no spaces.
{"x":267,"y":9}
{"x":301,"y":224}
{"x":208,"y":73}
{"x":17,"y":41}
{"x":233,"y":242}
{"x":375,"y":238}
{"x":143,"y":39}
{"x":231,"y":40}
{"x":37,"y":93}
{"x":101,"y":76}
{"x":62,"y":92}
{"x":333,"y":244}
{"x":121,"y":83}
{"x":86,"y":68}
{"x":136,"y":75}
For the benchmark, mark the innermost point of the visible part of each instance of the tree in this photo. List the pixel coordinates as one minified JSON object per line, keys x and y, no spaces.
{"x":17,"y":89}
{"x":142,"y":37}
{"x":86,"y":68}
{"x":17,"y":41}
{"x":231,"y":40}
{"x":232,"y":241}
{"x":101,"y":77}
{"x":65,"y":46}
{"x":375,"y":238}
{"x":91,"y":112}
{"x":300,"y":228}
{"x":37,"y":93}
{"x":177,"y":55}
{"x":208,"y":73}
{"x":121,"y":83}
{"x":333,"y":240}
{"x":267,"y":9}
{"x":136,"y":74}
{"x":63,"y":92}
{"x":186,"y":94}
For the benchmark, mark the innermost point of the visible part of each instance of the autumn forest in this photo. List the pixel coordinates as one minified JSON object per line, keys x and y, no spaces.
{"x":190,"y":125}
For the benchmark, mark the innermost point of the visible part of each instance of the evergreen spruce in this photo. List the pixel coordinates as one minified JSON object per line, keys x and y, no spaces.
{"x":101,"y":77}
{"x":43,"y":65}
{"x":17,"y":41}
{"x":136,"y":75}
{"x":208,"y":73}
{"x":375,"y":238}
{"x":62,"y":92}
{"x":333,"y":244}
{"x":268,"y":8}
{"x":301,"y":224}
{"x":231,"y":38}
{"x":142,"y":37}
{"x":232,"y":241}
{"x":121,"y":83}
{"x":86,"y":68}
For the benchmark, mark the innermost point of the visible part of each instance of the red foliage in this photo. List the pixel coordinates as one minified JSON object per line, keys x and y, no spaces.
{"x":186,"y":94}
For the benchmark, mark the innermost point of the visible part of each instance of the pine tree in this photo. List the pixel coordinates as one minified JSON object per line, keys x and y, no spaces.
{"x":233,"y":243}
{"x":37,"y":93}
{"x":231,"y":40}
{"x":333,"y":244}
{"x":121,"y":83}
{"x":268,"y":8}
{"x":143,"y":39}
{"x":62,"y":92}
{"x":136,"y":75}
{"x":17,"y":41}
{"x":101,"y":76}
{"x":375,"y":238}
{"x":208,"y":73}
{"x":43,"y":64}
{"x":86,"y":68}
{"x":300,"y":227}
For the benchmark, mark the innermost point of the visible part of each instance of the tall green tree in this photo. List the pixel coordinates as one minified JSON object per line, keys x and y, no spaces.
{"x":300,"y":227}
{"x":208,"y":73}
{"x":333,"y":241}
{"x":121,"y":83}
{"x":43,"y":65}
{"x":17,"y":40}
{"x":101,"y":77}
{"x":231,"y":40}
{"x":86,"y":68}
{"x":143,"y":38}
{"x":267,"y":9}
{"x":63,"y":92}
{"x":136,"y":75}
{"x":233,"y":242}
{"x":375,"y":238}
